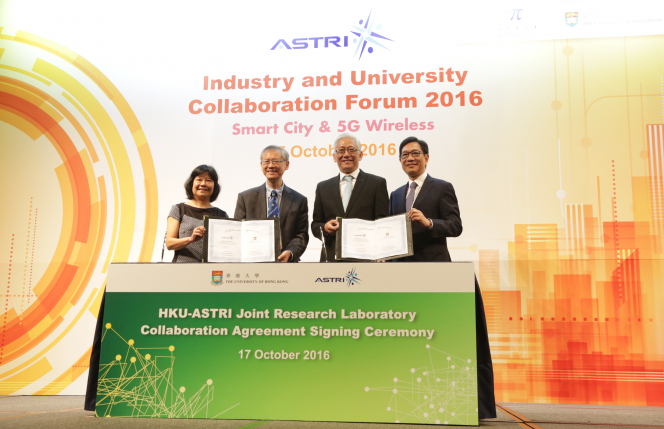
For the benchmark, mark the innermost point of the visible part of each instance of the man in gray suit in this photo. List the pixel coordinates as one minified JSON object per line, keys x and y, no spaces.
{"x":351,"y":194}
{"x":275,"y":199}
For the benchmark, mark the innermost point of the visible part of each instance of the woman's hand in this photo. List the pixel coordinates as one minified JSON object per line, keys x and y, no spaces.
{"x":197,"y":234}
{"x":175,"y":243}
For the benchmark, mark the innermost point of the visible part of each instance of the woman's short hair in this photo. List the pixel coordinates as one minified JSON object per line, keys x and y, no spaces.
{"x":189,"y":183}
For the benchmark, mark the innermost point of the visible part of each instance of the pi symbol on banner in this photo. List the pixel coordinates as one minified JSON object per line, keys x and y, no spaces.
{"x":217,"y":277}
{"x":571,"y":18}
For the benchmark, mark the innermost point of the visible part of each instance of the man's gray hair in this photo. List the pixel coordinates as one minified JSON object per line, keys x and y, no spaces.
{"x":282,"y":151}
{"x":356,"y":142}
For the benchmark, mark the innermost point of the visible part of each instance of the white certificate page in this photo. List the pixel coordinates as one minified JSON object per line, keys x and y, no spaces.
{"x":258,"y":241}
{"x":224,"y":241}
{"x":358,"y":239}
{"x":391,"y":236}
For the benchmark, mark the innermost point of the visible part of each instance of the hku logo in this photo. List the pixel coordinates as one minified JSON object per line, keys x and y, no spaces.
{"x":365,"y":38}
{"x":217,"y":277}
{"x":571,"y":18}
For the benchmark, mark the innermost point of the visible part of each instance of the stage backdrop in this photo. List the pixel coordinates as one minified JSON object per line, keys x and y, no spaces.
{"x":548,"y":121}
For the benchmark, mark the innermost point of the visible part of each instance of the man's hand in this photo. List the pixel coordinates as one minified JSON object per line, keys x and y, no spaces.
{"x":331,"y":227}
{"x":417,"y":216}
{"x":197,"y":234}
{"x":285,"y":256}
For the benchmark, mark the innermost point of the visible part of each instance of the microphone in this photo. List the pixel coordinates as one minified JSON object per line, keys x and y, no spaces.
{"x":322,"y":238}
{"x":163,"y":246}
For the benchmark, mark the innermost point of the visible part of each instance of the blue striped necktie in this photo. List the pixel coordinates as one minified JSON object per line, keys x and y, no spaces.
{"x":274,"y":207}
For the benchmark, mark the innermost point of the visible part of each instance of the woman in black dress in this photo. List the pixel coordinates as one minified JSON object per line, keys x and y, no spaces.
{"x":185,"y":221}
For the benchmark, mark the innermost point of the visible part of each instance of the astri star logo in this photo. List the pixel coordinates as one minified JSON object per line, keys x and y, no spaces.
{"x":352,"y":278}
{"x":367,"y":35}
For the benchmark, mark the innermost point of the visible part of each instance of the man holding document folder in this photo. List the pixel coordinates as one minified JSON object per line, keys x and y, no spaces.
{"x":433,"y":209}
{"x":275,"y":199}
{"x":430,"y":203}
{"x":350,"y":194}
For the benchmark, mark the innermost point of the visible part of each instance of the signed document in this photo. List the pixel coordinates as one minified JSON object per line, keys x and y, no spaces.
{"x":233,"y":240}
{"x":386,"y":238}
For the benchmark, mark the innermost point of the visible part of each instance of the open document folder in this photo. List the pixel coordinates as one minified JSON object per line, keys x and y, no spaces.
{"x":386,"y":238}
{"x":235,"y":240}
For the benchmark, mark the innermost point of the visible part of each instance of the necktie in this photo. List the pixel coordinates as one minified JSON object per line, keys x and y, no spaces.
{"x":411,"y":196}
{"x":274,"y":207}
{"x":347,"y":191}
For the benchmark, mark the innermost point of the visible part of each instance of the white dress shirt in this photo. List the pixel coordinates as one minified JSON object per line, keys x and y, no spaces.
{"x":343,"y":183}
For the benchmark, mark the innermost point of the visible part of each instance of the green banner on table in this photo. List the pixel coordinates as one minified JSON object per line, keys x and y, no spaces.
{"x":325,"y":356}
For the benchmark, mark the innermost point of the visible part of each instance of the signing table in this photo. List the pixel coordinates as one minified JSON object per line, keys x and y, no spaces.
{"x":363,"y":342}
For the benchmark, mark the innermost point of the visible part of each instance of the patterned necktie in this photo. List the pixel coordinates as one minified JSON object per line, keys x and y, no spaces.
{"x":347,"y":191}
{"x":274,"y":207}
{"x":411,"y":196}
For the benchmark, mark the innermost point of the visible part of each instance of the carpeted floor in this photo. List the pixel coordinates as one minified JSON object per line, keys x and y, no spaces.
{"x":47,"y":412}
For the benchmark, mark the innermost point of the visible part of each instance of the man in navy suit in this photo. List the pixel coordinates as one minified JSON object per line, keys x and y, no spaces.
{"x":430,"y":203}
{"x":352,"y":193}
{"x":433,"y":209}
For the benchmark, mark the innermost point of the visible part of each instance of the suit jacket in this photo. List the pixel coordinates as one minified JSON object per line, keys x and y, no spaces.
{"x":438,"y":202}
{"x":369,"y":201}
{"x":293,"y":216}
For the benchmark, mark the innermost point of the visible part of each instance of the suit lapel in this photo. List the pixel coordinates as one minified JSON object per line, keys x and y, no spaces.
{"x":356,"y":191}
{"x":286,"y":200}
{"x":333,"y":190}
{"x":400,"y":199}
{"x":261,"y":202}
{"x":426,"y":187}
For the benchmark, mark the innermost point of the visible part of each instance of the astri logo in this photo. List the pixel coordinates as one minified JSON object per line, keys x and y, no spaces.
{"x":301,"y":43}
{"x":218,"y":277}
{"x":330,"y":280}
{"x":350,"y":279}
{"x":365,"y":35}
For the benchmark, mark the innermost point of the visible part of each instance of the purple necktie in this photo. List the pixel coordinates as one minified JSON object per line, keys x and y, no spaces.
{"x":411,"y":196}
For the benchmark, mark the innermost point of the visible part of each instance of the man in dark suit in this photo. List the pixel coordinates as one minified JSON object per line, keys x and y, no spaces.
{"x":275,"y":199}
{"x":433,"y":209}
{"x":351,"y":194}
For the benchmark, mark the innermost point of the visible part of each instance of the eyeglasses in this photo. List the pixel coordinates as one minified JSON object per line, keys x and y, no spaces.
{"x":272,"y":162}
{"x":415,"y":154}
{"x":351,"y":151}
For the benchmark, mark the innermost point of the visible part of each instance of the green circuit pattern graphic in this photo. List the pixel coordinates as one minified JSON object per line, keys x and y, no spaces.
{"x":443,"y":392}
{"x":142,"y":379}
